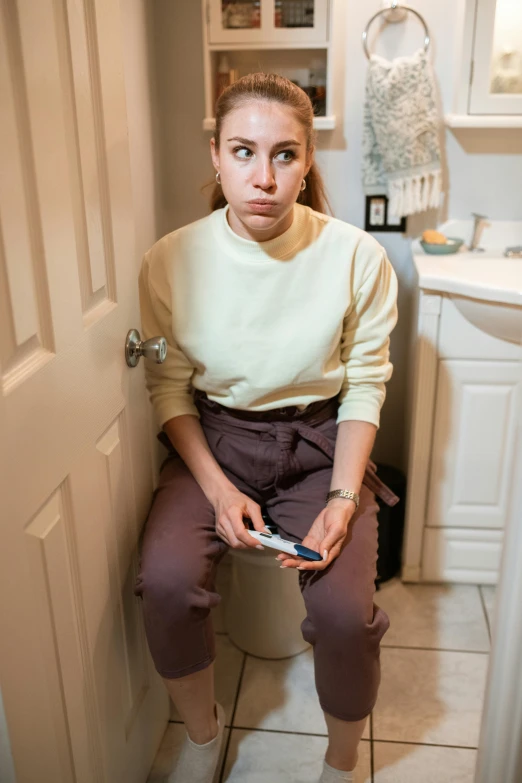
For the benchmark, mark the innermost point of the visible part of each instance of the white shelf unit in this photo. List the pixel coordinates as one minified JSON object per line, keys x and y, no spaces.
{"x":267,"y":29}
{"x":483,"y":120}
{"x":473,"y":104}
{"x":288,"y":52}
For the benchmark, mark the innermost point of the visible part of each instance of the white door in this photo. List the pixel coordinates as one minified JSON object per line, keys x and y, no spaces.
{"x":82,"y":700}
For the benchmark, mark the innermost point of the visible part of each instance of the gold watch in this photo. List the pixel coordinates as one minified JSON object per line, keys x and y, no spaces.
{"x":343,"y":493}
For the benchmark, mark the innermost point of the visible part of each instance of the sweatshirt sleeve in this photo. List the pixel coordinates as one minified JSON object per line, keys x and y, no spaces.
{"x":169,"y":383}
{"x":365,"y":342}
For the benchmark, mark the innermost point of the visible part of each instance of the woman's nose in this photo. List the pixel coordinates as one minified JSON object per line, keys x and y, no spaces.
{"x":264,"y":175}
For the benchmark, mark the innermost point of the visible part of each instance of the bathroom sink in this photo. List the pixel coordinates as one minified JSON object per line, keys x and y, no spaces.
{"x":486,"y":287}
{"x":497,"y":319}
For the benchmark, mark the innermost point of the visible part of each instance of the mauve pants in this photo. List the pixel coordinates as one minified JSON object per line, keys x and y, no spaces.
{"x":283,"y":460}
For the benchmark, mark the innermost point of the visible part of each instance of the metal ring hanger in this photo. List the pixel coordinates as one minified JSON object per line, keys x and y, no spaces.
{"x":396,"y":7}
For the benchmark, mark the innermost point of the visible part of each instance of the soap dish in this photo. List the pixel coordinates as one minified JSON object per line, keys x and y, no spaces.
{"x":453,"y":245}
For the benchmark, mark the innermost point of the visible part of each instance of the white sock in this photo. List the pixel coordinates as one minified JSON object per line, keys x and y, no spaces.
{"x":331,"y":775}
{"x":198,"y":763}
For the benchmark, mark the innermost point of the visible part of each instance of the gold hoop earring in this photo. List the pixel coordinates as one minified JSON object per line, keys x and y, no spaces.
{"x":303,"y":185}
{"x":218,"y":178}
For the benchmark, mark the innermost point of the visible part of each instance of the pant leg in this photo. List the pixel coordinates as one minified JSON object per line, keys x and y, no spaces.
{"x":343,"y":624}
{"x":179,"y":555}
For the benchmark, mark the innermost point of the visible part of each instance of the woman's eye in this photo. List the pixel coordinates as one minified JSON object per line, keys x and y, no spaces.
{"x":286,"y":156}
{"x":242,"y":152}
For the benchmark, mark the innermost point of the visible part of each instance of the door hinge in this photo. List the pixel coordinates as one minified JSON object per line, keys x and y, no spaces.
{"x":471,"y":72}
{"x":207,"y":11}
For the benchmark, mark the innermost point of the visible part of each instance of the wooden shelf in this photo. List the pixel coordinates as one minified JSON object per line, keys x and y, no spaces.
{"x":245,"y":47}
{"x":483,"y":120}
{"x":320,"y":123}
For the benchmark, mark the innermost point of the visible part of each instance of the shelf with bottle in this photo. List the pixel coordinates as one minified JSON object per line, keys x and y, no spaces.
{"x":305,"y":67}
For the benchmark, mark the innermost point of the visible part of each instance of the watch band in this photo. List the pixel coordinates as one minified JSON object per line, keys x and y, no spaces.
{"x":343,"y":493}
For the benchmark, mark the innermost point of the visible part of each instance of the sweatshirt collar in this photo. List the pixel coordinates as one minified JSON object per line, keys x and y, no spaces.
{"x":277,"y":248}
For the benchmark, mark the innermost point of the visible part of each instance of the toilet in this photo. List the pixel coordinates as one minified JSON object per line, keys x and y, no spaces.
{"x":265,"y":607}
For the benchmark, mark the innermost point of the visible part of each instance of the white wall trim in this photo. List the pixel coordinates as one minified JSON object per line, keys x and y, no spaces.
{"x":500,"y":746}
{"x":425,"y":383}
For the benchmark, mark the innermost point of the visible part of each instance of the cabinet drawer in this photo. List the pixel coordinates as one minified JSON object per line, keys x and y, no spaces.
{"x":461,"y":555}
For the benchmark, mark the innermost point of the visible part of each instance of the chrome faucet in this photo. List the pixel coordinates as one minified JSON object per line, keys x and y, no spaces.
{"x":480,"y":222}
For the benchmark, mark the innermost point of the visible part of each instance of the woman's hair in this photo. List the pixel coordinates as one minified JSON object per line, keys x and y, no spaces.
{"x":271,"y":87}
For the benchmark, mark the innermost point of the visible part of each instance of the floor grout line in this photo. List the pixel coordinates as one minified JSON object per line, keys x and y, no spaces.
{"x":413,"y":647}
{"x":426,"y":744}
{"x":483,"y":602}
{"x":371,"y":748}
{"x":372,"y":739}
{"x":432,"y":649}
{"x":231,"y":727}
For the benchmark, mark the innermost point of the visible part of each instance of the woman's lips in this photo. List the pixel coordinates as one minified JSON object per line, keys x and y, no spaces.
{"x":261,"y":206}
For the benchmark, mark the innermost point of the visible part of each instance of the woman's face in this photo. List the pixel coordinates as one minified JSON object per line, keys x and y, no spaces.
{"x":262,"y":160}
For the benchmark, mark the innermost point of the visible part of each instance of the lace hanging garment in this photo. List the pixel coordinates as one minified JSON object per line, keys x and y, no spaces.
{"x":401,"y":147}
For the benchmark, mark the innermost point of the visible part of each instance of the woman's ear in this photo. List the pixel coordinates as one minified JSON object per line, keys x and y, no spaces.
{"x":214,"y":153}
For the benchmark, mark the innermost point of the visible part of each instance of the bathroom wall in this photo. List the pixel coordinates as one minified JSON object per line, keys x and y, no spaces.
{"x":484,"y":168}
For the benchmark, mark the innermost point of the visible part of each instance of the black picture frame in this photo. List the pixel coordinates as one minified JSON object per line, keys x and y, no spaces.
{"x":373,"y":228}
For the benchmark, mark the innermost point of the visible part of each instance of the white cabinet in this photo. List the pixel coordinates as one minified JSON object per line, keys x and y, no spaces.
{"x":489,"y":85}
{"x":466,"y":394}
{"x":496,"y":85}
{"x":289,"y":37}
{"x":267,"y":21}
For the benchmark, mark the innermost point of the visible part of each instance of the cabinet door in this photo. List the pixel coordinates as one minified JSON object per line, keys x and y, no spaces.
{"x":276,"y":22}
{"x":300,"y":21}
{"x":475,"y":422}
{"x":235,"y":22}
{"x":497,"y":56}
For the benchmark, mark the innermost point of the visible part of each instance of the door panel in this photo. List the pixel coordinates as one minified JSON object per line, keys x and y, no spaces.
{"x":475,"y":405}
{"x":82,"y":699}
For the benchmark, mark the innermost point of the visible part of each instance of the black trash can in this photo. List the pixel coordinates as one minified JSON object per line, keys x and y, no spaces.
{"x":391,"y":525}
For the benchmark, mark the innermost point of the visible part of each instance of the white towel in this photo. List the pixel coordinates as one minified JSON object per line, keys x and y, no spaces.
{"x":401,"y":149}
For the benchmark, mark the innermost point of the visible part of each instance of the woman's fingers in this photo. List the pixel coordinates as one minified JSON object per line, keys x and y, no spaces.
{"x":253,"y":511}
{"x":309,"y":565}
{"x":228,"y":529}
{"x":235,"y":515}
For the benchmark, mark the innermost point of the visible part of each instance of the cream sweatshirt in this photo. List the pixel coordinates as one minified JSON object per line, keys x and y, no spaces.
{"x":262,"y":325}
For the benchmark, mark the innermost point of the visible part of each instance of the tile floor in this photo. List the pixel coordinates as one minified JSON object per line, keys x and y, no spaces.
{"x":425,"y":725}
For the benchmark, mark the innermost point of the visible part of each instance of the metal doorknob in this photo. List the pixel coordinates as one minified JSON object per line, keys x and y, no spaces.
{"x":155,"y":348}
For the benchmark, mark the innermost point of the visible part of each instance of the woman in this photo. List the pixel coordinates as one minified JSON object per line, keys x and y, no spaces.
{"x":277,"y":319}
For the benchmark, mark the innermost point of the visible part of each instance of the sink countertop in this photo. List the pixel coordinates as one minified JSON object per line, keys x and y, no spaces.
{"x":488,"y":275}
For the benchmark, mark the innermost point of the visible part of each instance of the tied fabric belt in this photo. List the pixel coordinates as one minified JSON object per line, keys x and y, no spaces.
{"x":287,"y":433}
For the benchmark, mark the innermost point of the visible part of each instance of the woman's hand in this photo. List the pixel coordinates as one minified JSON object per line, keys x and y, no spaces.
{"x":230,"y":507}
{"x":328,"y":532}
